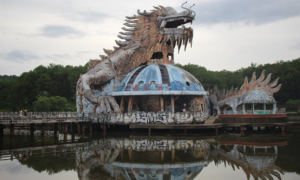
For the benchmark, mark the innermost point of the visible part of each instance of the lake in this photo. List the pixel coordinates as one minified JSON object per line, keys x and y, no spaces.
{"x":126,"y":155}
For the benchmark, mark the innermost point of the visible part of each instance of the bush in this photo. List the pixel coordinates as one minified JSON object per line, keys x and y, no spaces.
{"x":55,"y":103}
{"x":293,"y":105}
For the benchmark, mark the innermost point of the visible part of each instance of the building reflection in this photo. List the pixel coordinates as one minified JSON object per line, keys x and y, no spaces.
{"x":155,"y":159}
{"x":255,"y":159}
{"x":144,"y":159}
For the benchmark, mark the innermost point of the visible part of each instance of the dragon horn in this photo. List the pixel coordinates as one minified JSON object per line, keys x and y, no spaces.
{"x":132,"y":17}
{"x":274,"y":83}
{"x":193,"y":13}
{"x":253,"y":77}
{"x":267,"y":80}
{"x":103,"y":57}
{"x":130,"y":25}
{"x":108,"y":52}
{"x":145,"y":13}
{"x":262,"y":76}
{"x":276,"y":89}
{"x":184,"y":7}
{"x":162,"y":8}
{"x":158,"y":9}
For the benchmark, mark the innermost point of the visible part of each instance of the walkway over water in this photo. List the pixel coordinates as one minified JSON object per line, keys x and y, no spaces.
{"x":67,"y":121}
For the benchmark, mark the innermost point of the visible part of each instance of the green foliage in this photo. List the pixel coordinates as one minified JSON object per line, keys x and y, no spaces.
{"x":55,"y":103}
{"x":51,"y":164}
{"x":42,"y":104}
{"x":288,"y":71}
{"x":57,"y":80}
{"x":53,"y":80}
{"x":293,"y":105}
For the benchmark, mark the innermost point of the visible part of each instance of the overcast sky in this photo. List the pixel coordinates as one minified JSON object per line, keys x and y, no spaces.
{"x":228,"y":34}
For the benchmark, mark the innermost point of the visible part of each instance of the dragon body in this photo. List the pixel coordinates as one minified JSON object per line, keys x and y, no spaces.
{"x":234,"y":97}
{"x":149,"y":37}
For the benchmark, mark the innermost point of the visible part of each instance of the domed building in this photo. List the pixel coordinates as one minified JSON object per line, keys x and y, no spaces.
{"x":161,"y":87}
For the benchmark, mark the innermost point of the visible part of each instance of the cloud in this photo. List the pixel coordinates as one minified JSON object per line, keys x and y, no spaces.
{"x":296,"y":46}
{"x":57,"y":31}
{"x":88,"y":16}
{"x":248,"y":11}
{"x":19,"y":56}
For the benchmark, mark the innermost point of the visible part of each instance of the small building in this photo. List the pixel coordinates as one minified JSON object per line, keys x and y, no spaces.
{"x":259,"y":96}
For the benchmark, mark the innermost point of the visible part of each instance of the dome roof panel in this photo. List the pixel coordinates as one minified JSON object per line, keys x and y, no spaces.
{"x":151,"y":73}
{"x":258,"y":96}
{"x":156,"y":79}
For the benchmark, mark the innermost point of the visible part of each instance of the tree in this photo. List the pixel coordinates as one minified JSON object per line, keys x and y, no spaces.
{"x":42,"y":104}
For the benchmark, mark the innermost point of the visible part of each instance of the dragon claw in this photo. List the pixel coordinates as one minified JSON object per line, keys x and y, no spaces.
{"x":107,"y":101}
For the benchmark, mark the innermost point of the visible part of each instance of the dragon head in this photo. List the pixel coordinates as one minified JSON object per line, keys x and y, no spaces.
{"x":154,"y":35}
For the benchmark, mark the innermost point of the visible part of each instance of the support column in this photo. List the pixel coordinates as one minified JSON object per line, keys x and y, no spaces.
{"x":130,"y":155}
{"x":104,"y":129}
{"x":122,"y":104}
{"x":65,"y":137}
{"x":162,"y":156}
{"x":149,"y":131}
{"x":162,"y":108}
{"x":42,"y":134}
{"x":78,"y":129}
{"x":31,"y":134}
{"x":90,"y":127}
{"x":43,"y":130}
{"x":130,"y":104}
{"x":82,"y":128}
{"x":12,"y":130}
{"x":66,"y":128}
{"x":244,"y":109}
{"x":73,"y":136}
{"x":252,"y":108}
{"x":32,"y":130}
{"x":172,"y":104}
{"x":122,"y":154}
{"x":173,"y":155}
{"x":274,"y":108}
{"x":242,"y":130}
{"x":1,"y":131}
{"x":55,"y":132}
{"x":283,"y":130}
{"x":265,"y":108}
{"x":55,"y":129}
{"x":216,"y":131}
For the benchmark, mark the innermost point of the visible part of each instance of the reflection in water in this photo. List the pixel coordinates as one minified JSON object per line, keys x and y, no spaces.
{"x":143,"y":159}
{"x":259,"y":161}
{"x":155,"y":159}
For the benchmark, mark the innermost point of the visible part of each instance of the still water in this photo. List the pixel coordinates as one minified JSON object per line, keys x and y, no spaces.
{"x":163,"y":156}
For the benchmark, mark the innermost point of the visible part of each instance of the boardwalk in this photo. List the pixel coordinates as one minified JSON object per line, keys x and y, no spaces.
{"x":77,"y":121}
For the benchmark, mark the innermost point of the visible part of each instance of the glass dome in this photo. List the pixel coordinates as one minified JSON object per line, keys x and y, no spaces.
{"x":159,"y":79}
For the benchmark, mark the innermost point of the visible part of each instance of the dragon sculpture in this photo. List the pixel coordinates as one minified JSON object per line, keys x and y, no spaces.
{"x":220,"y":100}
{"x":150,"y":37}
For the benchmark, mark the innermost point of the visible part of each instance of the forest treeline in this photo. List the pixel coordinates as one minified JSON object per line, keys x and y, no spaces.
{"x":44,"y":86}
{"x":56,"y":84}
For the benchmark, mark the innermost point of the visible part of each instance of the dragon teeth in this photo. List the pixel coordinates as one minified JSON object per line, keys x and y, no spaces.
{"x":163,"y":23}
